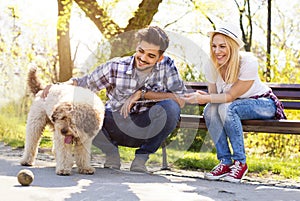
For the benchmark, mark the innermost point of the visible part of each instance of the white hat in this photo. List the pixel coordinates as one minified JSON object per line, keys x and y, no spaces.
{"x":231,"y":31}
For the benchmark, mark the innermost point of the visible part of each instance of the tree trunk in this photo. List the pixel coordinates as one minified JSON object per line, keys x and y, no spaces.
{"x":63,"y":40}
{"x":245,"y":11}
{"x":268,"y":63}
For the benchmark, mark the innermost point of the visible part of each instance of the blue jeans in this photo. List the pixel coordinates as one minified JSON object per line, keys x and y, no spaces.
{"x":146,"y":130}
{"x":224,"y":123}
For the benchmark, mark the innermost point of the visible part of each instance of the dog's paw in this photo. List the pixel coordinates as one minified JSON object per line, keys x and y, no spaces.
{"x":25,"y":163}
{"x":87,"y":170}
{"x":63,"y":172}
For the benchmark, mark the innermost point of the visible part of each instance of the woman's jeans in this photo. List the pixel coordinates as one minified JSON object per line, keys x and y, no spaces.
{"x":224,"y":123}
{"x":146,"y":130}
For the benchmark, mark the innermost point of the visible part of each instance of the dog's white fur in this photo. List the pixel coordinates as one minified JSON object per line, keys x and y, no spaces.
{"x":76,"y":115}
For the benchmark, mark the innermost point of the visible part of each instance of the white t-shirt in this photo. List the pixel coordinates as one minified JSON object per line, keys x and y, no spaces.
{"x":248,"y":71}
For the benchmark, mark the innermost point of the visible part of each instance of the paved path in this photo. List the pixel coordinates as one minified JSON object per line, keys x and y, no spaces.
{"x":113,"y":185}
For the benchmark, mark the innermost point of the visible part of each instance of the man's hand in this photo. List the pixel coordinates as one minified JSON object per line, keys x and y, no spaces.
{"x":180,"y":101}
{"x":129,"y":103}
{"x":46,"y":91}
{"x":47,"y":88}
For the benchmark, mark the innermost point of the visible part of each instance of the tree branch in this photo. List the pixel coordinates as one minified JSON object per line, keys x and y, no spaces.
{"x":144,"y":15}
{"x":100,"y":18}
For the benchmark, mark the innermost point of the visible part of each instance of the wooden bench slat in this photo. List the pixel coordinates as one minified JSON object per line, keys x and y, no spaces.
{"x":272,"y":126}
{"x":291,"y":95}
{"x":265,"y":126}
{"x":291,"y":105}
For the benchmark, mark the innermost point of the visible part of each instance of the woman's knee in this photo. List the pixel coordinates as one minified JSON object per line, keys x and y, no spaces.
{"x":210,"y":110}
{"x":207,"y":111}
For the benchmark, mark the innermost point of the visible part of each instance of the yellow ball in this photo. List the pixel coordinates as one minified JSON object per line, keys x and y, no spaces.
{"x":25,"y":177}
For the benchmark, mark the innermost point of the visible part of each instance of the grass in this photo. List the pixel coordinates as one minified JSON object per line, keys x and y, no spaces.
{"x":12,"y":133}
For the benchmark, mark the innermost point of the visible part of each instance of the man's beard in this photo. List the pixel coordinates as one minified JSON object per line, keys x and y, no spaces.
{"x":143,"y":69}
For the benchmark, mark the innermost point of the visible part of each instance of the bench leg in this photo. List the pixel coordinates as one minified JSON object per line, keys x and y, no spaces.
{"x":164,"y":157}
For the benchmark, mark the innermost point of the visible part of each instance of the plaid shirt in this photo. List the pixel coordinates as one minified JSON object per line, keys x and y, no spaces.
{"x":119,"y":78}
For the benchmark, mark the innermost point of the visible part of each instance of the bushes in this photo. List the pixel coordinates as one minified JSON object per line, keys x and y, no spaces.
{"x":276,"y":145}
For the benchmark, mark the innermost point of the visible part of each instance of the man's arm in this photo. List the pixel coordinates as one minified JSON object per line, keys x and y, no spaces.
{"x":164,"y":95}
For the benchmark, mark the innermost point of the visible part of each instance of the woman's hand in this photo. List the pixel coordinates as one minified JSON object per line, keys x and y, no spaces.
{"x":125,"y":109}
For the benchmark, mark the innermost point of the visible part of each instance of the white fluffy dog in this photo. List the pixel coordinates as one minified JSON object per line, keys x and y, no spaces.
{"x":76,"y":115}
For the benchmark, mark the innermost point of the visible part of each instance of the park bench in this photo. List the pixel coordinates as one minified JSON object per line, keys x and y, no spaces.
{"x":289,"y":94}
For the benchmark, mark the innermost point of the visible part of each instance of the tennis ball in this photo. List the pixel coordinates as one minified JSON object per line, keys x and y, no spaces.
{"x":25,"y":177}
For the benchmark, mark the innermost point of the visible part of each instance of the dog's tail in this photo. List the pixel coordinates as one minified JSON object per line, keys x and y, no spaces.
{"x":32,"y":81}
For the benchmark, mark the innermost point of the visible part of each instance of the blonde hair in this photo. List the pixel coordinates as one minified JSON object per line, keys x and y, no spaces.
{"x":233,"y":60}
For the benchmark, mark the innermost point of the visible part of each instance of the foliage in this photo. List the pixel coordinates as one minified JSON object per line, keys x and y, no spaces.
{"x":291,"y":74}
{"x":64,"y":16}
{"x":282,"y":146}
{"x":16,"y":54}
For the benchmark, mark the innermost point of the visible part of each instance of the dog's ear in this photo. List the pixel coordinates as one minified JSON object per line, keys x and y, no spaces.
{"x":86,"y":118}
{"x":67,"y":107}
{"x":54,"y":115}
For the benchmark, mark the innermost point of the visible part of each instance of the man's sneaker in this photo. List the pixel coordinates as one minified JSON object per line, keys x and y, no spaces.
{"x":138,"y":164}
{"x":112,"y":161}
{"x":238,"y":170}
{"x":217,"y":172}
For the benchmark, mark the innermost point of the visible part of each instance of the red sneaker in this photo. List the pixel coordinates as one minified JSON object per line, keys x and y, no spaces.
{"x":217,"y":172}
{"x":238,"y":170}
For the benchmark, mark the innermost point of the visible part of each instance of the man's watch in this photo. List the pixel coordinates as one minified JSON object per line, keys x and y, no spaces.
{"x":144,"y":90}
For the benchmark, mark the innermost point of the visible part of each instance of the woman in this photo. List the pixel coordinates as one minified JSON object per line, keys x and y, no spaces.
{"x":235,"y":92}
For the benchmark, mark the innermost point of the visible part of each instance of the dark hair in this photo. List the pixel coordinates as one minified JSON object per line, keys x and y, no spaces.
{"x":154,"y":35}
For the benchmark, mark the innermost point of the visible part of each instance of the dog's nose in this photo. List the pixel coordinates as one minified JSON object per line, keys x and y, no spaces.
{"x":64,"y":131}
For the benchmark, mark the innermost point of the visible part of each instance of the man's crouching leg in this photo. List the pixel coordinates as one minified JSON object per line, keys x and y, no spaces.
{"x":111,"y":151}
{"x":167,"y":111}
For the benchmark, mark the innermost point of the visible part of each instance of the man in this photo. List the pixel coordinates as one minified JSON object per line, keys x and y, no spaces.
{"x":144,"y":99}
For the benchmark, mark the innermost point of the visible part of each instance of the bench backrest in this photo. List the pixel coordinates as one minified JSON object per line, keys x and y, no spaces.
{"x":289,"y":94}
